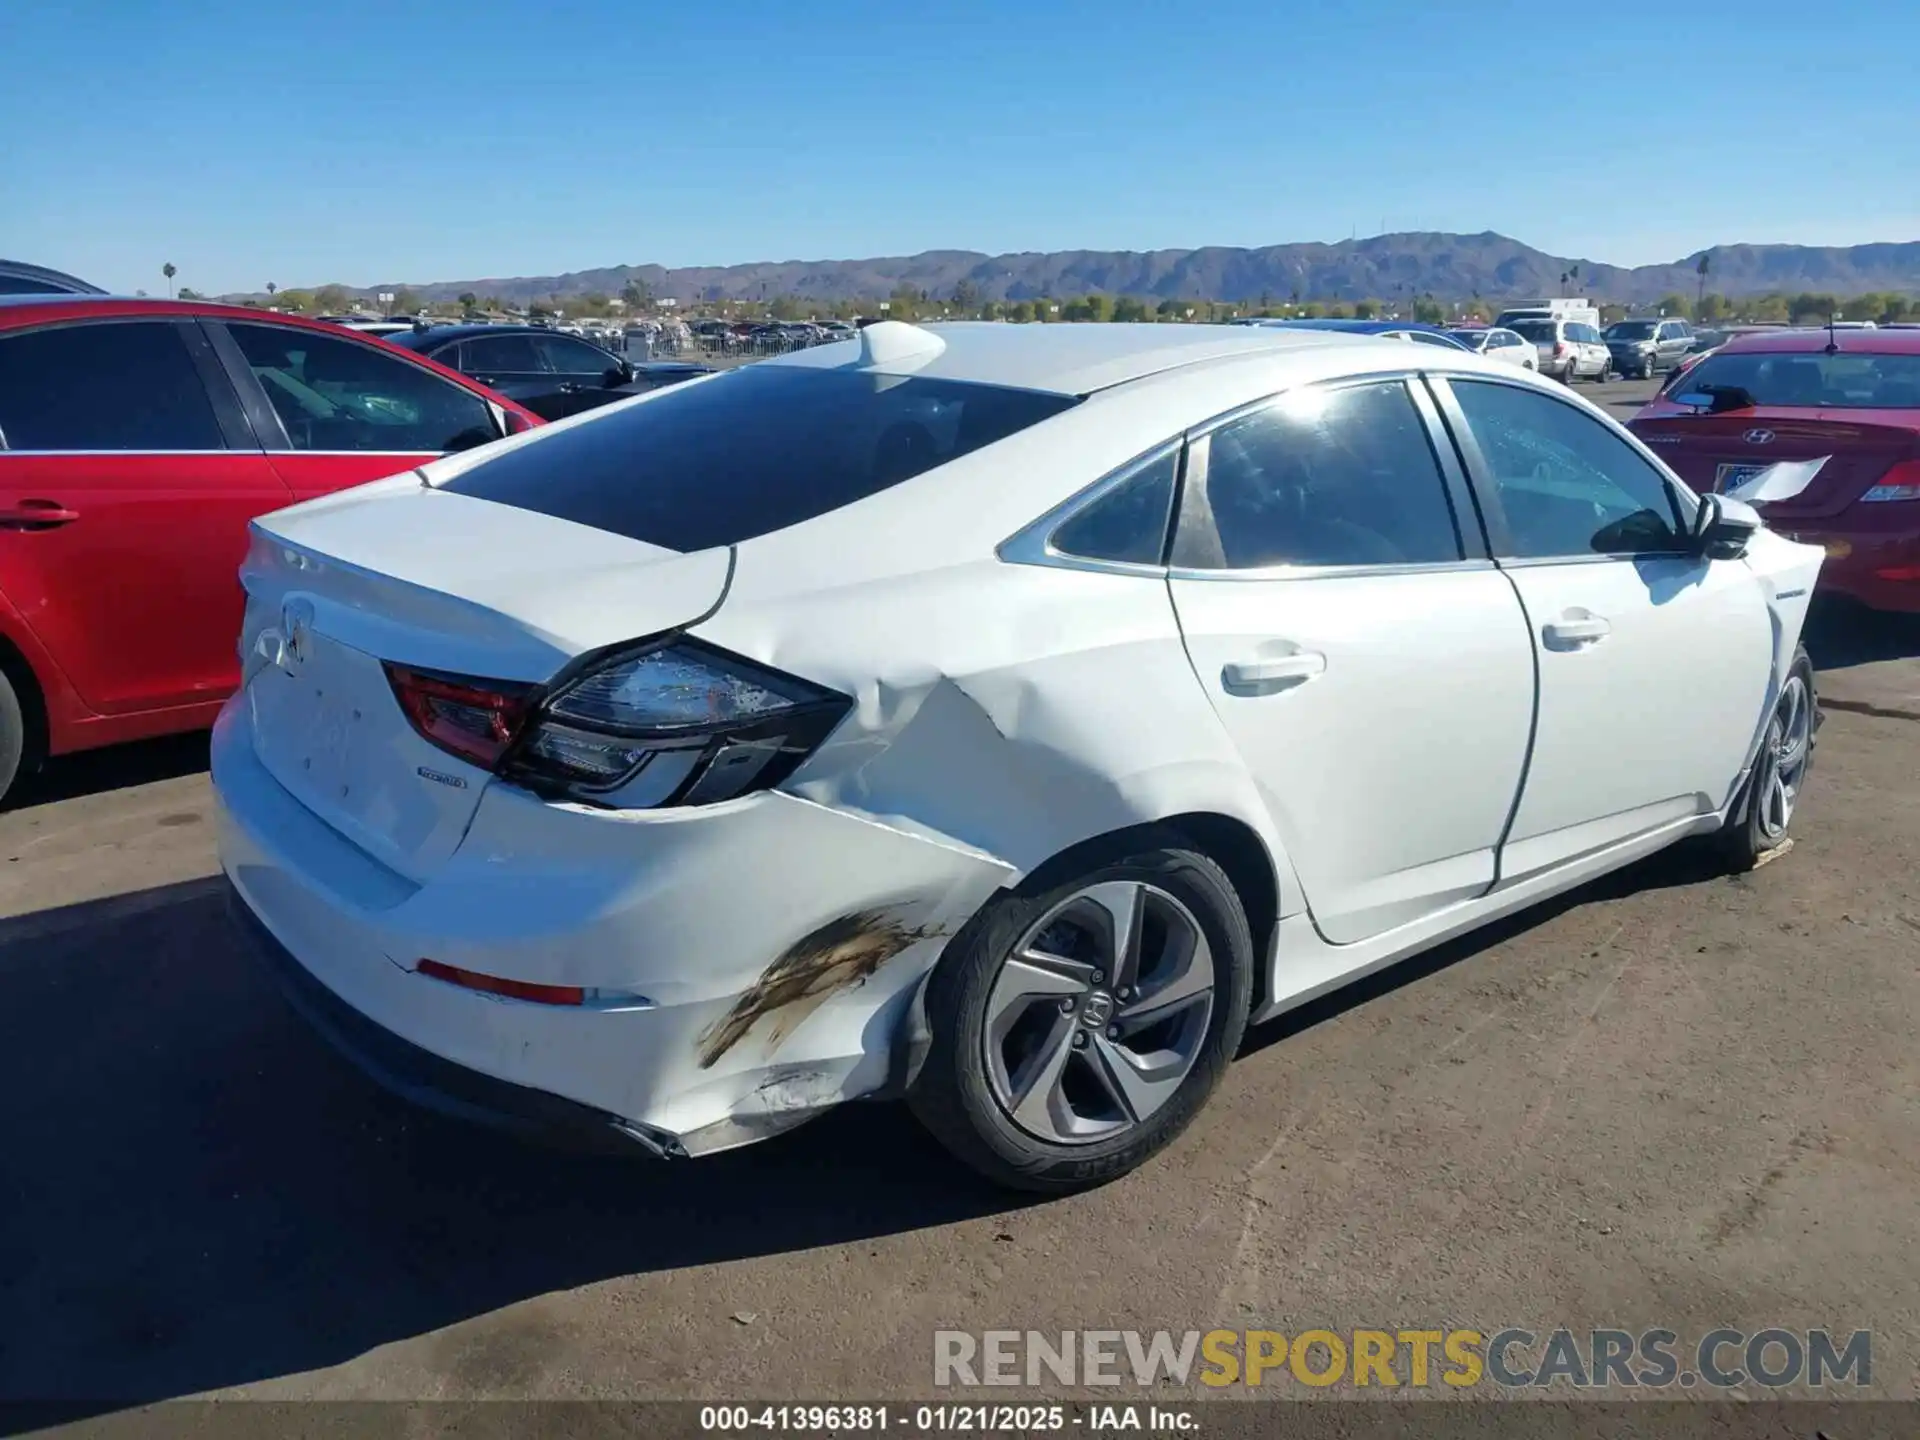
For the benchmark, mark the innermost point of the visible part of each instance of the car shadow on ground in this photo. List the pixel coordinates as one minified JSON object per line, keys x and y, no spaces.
{"x":116,"y":767}
{"x":1689,"y":863}
{"x":1839,"y":633}
{"x":195,"y":1192}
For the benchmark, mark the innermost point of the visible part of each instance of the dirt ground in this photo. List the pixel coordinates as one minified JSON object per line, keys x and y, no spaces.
{"x":1669,"y":1099}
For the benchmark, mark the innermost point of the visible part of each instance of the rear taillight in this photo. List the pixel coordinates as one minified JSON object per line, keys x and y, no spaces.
{"x":1559,"y":348}
{"x":476,"y":720}
{"x":679,"y":723}
{"x":1902,"y":482}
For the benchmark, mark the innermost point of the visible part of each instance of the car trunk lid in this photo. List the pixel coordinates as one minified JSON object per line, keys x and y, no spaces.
{"x":440,"y":583}
{"x":1714,"y":452}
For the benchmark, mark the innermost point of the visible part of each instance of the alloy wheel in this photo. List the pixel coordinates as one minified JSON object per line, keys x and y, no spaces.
{"x":1785,"y":754}
{"x":1099,"y":1012}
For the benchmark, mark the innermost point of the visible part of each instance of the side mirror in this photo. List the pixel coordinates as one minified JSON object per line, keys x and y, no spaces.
{"x":518,"y":424}
{"x":1722,"y":527}
{"x":624,"y":373}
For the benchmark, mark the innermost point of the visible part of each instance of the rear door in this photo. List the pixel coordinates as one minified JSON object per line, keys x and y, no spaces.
{"x":1370,"y":663}
{"x":338,"y":411}
{"x":1655,"y":664}
{"x":128,"y":474}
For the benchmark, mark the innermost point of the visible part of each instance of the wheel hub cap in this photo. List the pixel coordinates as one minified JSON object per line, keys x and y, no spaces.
{"x":1099,"y":1013}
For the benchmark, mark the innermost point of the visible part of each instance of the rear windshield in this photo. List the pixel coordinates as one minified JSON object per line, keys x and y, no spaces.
{"x":1534,"y":330}
{"x":1632,"y":330}
{"x":1815,"y":381}
{"x":752,"y":451}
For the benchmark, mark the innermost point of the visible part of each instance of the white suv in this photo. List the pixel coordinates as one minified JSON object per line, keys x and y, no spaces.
{"x":1568,"y":350}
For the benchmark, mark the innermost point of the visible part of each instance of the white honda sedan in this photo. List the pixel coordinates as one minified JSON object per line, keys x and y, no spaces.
{"x":996,"y":716}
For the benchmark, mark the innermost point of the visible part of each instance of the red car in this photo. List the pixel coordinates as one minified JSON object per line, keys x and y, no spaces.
{"x":137,"y":439}
{"x":1852,"y":396}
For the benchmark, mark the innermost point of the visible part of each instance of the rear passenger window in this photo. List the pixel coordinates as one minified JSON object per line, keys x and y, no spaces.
{"x":1129,"y":522}
{"x":1330,"y":476}
{"x":123,"y":386}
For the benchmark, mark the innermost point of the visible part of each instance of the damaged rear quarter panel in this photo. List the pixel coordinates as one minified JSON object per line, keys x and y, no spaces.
{"x":1011,"y":709}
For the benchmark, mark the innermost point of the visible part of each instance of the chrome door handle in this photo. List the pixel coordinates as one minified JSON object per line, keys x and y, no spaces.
{"x":1265,"y":677}
{"x":1570,"y":631}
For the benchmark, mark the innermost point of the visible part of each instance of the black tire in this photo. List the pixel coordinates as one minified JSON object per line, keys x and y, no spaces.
{"x":1606,"y":373}
{"x":1752,"y":829}
{"x":953,"y":1095}
{"x":13,"y":737}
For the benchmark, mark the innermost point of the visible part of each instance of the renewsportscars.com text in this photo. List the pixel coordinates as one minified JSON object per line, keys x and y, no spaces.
{"x":1511,"y":1359}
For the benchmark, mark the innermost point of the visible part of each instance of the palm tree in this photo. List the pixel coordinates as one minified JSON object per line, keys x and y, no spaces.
{"x":168,"y":271}
{"x":1701,"y":270}
{"x":271,"y":287}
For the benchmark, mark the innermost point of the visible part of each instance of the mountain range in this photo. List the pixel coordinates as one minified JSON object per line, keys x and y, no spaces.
{"x":1447,"y":266}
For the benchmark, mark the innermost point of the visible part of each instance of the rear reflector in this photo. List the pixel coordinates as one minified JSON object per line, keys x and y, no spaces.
{"x":1902,"y":573}
{"x":512,"y":989}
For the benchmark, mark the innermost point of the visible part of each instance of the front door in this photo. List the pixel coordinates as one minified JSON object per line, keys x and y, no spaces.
{"x":589,"y":376}
{"x":1654,"y":662}
{"x":123,"y":509}
{"x":511,"y":364}
{"x":1376,"y":679}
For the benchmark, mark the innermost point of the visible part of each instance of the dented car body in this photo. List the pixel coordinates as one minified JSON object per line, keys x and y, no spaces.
{"x":652,"y":761}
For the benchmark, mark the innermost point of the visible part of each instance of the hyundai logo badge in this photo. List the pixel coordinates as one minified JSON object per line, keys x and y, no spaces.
{"x":1758,"y":437}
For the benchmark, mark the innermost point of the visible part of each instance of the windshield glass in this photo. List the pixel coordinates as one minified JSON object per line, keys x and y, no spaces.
{"x":1534,"y":330}
{"x":1472,"y":339}
{"x":719,"y":461}
{"x":1816,"y":381}
{"x":1632,"y":329}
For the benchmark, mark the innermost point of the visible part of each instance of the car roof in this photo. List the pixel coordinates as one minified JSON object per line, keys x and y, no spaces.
{"x":443,"y":334}
{"x":59,"y":281}
{"x":1071,"y":359}
{"x":1807,"y":341}
{"x":1355,"y":327}
{"x":25,"y":309}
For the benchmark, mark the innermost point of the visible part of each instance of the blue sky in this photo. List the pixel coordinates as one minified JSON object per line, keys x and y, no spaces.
{"x":365,"y":142}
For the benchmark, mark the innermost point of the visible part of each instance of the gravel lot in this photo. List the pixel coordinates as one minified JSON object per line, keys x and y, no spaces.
{"x":1671,"y":1098}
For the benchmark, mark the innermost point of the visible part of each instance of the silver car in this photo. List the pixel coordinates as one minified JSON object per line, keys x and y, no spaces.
{"x":1646,"y":347}
{"x":1496,"y":342}
{"x":1567,"y":350}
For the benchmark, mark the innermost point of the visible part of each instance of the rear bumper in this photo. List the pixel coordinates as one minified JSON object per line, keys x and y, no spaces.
{"x":762,"y":956}
{"x":430,"y":1081}
{"x":1880,"y":569}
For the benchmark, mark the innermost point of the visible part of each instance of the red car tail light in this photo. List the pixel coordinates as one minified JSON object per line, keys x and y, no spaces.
{"x":1902,"y":482}
{"x":476,"y":720}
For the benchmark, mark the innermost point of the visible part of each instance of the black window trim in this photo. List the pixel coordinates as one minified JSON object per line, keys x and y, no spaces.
{"x":228,"y":412}
{"x":1198,"y":555}
{"x":266,"y":420}
{"x":1487,"y":494}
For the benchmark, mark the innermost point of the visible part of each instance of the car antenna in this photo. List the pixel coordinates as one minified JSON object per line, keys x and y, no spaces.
{"x":1833,"y":340}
